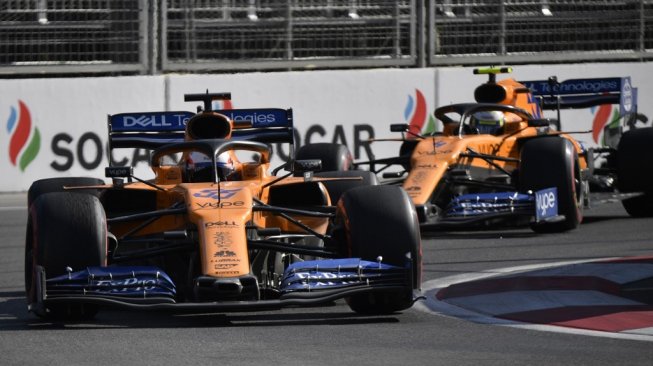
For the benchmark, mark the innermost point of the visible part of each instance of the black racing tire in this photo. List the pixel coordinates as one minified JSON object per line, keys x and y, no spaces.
{"x":640,"y":206}
{"x":336,"y":188}
{"x":50,"y":185}
{"x":553,"y":162}
{"x":64,"y":230}
{"x":635,"y":170}
{"x":380,"y":221}
{"x":335,"y":157}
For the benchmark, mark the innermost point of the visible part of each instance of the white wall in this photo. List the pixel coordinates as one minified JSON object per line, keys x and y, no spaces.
{"x":343,"y":106}
{"x":66,"y":112}
{"x":328,"y":106}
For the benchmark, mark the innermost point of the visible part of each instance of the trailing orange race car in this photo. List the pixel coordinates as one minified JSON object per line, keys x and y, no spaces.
{"x":498,"y":160}
{"x":215,"y":230}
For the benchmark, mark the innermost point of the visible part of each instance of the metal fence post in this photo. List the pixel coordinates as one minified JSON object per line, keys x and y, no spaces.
{"x":421,"y":49}
{"x":163,"y":34}
{"x":289,"y":26}
{"x":502,"y":29}
{"x":153,"y":36}
{"x":642,"y":27}
{"x":144,"y":36}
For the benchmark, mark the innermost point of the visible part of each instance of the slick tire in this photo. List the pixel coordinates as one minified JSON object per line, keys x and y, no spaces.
{"x":380,"y":221}
{"x":335,"y":157}
{"x":635,"y":171}
{"x":49,"y":185}
{"x":336,"y":188}
{"x":553,"y":162}
{"x":64,"y":230}
{"x":640,"y":206}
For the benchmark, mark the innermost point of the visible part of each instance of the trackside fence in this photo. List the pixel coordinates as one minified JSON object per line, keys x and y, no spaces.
{"x":90,"y":37}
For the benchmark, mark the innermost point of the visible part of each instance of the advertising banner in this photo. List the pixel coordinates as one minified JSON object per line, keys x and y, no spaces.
{"x":58,"y":127}
{"x":347,"y":107}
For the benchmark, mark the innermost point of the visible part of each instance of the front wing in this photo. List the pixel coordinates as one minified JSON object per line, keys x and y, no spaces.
{"x":469,"y":209}
{"x":308,"y":283}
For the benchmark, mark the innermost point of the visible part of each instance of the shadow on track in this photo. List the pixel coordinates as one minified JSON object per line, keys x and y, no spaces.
{"x":14,"y":316}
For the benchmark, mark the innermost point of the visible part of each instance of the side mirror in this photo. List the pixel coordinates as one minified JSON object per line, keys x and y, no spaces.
{"x":389,"y":175}
{"x":118,"y":172}
{"x":542,"y":122}
{"x":399,"y":127}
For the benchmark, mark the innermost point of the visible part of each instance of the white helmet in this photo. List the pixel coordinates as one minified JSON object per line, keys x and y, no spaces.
{"x":488,"y":122}
{"x":198,"y":167}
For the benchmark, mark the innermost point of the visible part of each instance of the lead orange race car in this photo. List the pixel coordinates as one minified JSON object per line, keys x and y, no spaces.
{"x":217,"y":230}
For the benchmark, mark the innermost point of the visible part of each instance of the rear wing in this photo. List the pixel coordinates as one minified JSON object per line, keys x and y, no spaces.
{"x":584,"y":93}
{"x":150,"y":130}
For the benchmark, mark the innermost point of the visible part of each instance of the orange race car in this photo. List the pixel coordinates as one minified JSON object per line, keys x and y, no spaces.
{"x":215,"y":230}
{"x":499,"y":161}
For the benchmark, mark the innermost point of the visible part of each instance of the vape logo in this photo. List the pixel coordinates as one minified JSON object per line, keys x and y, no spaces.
{"x":546,"y":203}
{"x":24,"y":141}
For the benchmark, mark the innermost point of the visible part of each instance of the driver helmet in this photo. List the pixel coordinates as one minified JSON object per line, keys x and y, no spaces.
{"x":197,"y":162}
{"x":488,"y":122}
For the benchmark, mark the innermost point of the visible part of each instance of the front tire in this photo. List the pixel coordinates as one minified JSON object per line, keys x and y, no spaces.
{"x":336,"y":188}
{"x":64,"y":230}
{"x":50,"y":185}
{"x":553,"y":162}
{"x":380,"y":221}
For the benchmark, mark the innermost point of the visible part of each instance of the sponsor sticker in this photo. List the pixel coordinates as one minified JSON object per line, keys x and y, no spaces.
{"x":258,"y":117}
{"x":216,"y":194}
{"x":220,"y":266}
{"x":546,"y":203}
{"x":222,"y":240}
{"x":627,"y":96}
{"x":223,"y":204}
{"x":224,"y":253}
{"x":220,"y":224}
{"x":153,"y":121}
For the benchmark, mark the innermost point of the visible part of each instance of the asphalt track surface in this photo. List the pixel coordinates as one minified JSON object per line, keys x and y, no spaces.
{"x":431,"y":333}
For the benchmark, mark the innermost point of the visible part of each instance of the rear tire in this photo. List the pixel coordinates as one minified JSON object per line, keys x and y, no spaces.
{"x":641,"y":206}
{"x":553,"y":162}
{"x":335,"y":157}
{"x":64,"y":230}
{"x":380,"y":221}
{"x":635,"y":171}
